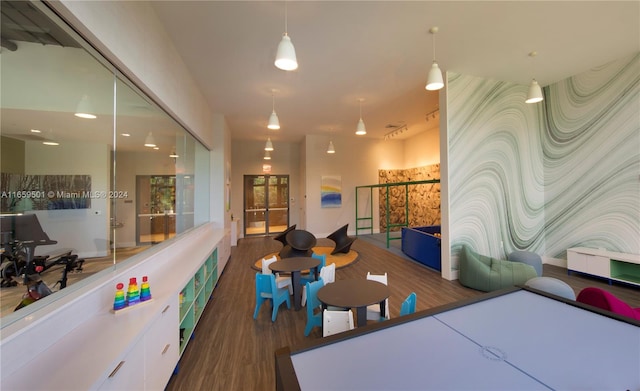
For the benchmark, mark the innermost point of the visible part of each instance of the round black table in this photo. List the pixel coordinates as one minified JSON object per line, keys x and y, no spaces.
{"x":356,"y":293}
{"x":294,"y":266}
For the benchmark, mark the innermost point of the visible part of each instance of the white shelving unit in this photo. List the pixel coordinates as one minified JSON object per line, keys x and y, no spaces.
{"x":87,"y":347}
{"x":610,"y":265}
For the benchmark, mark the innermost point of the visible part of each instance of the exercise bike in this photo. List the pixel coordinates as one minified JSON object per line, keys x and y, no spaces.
{"x":21,"y":234}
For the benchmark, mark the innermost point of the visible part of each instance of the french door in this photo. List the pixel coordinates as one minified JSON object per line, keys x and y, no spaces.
{"x":266,"y":204}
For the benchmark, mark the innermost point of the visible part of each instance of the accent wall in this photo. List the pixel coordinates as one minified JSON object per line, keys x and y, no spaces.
{"x":549,"y":176}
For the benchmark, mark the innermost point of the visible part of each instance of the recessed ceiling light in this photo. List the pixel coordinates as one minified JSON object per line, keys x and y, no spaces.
{"x":36,"y":131}
{"x":50,"y":143}
{"x":125,"y":134}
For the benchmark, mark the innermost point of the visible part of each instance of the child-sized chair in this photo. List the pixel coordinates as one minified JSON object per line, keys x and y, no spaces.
{"x":266,"y":289}
{"x":314,"y":306}
{"x":408,"y":305}
{"x":335,"y":322}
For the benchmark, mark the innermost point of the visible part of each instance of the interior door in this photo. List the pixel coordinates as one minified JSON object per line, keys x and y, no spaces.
{"x":266,"y":204}
{"x":155,"y":195}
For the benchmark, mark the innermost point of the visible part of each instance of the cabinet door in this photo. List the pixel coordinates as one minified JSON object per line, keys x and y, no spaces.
{"x":162,"y":344}
{"x":598,"y":266}
{"x":128,"y":374}
{"x":576,"y":261}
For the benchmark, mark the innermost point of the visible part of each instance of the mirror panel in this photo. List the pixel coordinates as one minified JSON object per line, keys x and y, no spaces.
{"x":97,"y":191}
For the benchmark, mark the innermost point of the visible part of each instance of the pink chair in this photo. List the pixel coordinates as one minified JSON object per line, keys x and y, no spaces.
{"x":604,"y":300}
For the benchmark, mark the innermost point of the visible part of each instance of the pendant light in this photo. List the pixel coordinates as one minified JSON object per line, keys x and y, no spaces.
{"x":274,"y":122}
{"x":535,"y":92}
{"x":434,"y":79}
{"x":50,"y":139}
{"x":360,"y":129}
{"x":331,"y":148}
{"x":149,"y":141}
{"x":85,"y":109}
{"x":286,"y":55}
{"x":269,"y":145}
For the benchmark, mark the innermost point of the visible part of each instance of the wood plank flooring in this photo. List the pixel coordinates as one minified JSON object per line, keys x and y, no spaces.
{"x":232,"y":351}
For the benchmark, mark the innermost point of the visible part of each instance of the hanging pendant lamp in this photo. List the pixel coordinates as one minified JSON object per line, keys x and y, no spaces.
{"x":434,"y":79}
{"x":535,"y":92}
{"x":149,"y":141}
{"x":331,"y":148}
{"x":286,"y":54}
{"x":85,"y":109}
{"x":274,"y":122}
{"x":361,"y":130}
{"x":269,"y":145}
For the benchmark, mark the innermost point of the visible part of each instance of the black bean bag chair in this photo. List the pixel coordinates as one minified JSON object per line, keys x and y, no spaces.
{"x":282,"y":236}
{"x":299,"y":244}
{"x":342,"y":240}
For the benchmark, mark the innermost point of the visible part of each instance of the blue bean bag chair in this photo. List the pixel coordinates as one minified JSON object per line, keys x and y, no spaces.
{"x":529,"y":258}
{"x":489,"y":274}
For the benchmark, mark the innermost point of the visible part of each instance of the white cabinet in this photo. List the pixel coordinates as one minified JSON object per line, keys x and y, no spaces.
{"x":162,"y":347}
{"x":87,"y":347}
{"x":235,"y":231}
{"x":588,"y":263}
{"x":611,"y":265}
{"x":127,"y":373}
{"x":150,"y":362}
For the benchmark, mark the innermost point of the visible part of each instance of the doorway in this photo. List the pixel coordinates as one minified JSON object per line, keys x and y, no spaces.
{"x":266,"y":204}
{"x":156,"y":202}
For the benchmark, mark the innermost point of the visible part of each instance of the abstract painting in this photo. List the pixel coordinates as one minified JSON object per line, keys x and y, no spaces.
{"x":331,"y":191}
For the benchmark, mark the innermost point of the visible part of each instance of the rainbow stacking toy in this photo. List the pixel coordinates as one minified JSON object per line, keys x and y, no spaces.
{"x":145,"y":291}
{"x":133,"y":293}
{"x":119,"y":302}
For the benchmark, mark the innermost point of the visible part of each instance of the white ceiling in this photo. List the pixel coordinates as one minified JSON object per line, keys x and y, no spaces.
{"x":380,"y":51}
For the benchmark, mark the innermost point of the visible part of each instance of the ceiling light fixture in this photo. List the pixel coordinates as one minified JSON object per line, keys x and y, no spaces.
{"x":432,"y":115}
{"x":269,"y":145}
{"x":267,"y":155}
{"x":50,"y":143}
{"x":274,"y":122}
{"x":84,"y":108}
{"x":286,"y":55}
{"x":331,"y":148}
{"x":361,"y":130}
{"x":397,"y":131}
{"x":434,"y":80}
{"x":149,"y":141}
{"x":535,"y":92}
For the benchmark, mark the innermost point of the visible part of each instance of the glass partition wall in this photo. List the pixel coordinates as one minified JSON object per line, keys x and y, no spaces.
{"x":98,"y":163}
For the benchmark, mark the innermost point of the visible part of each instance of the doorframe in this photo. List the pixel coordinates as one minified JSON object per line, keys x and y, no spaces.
{"x":266,"y":208}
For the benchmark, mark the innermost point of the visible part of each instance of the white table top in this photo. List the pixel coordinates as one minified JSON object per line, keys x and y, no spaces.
{"x":518,"y":341}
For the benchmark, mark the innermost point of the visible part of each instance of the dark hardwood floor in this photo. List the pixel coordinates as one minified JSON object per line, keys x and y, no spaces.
{"x":232,"y":351}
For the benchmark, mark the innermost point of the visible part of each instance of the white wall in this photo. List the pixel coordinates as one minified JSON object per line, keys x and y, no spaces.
{"x":357,"y":162}
{"x":247,"y":159}
{"x":83,"y":230}
{"x":423,"y":149}
{"x":220,"y":164}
